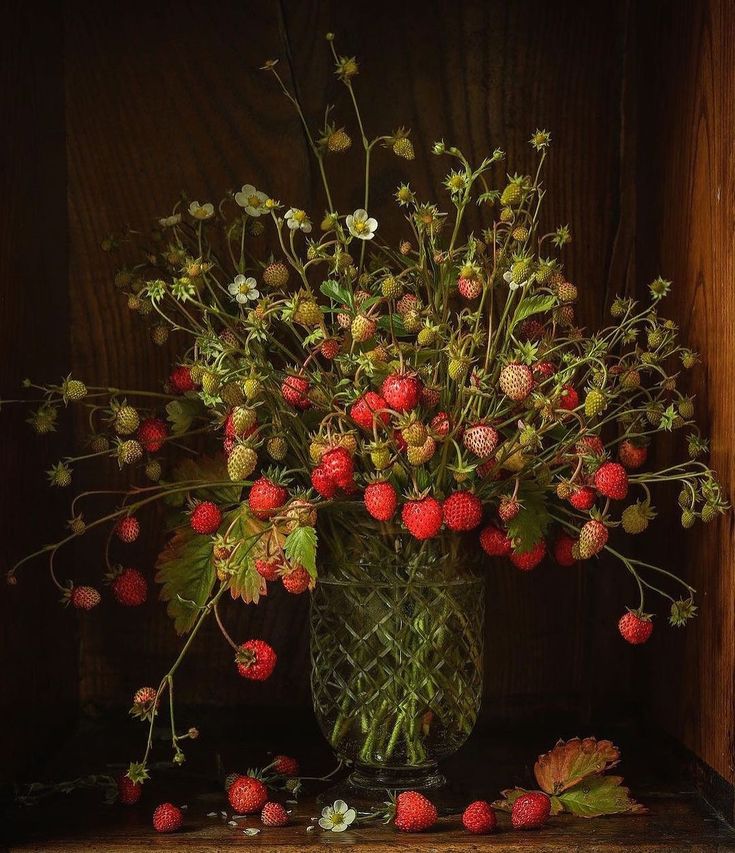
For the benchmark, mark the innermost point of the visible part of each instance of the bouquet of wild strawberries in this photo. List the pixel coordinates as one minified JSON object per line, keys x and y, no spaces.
{"x":432,"y":383}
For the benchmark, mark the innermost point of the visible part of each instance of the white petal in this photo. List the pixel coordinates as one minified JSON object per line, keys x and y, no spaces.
{"x":360,"y":214}
{"x":349,"y":816}
{"x":306,"y":227}
{"x":340,"y":806}
{"x":327,"y":811}
{"x":372,"y":224}
{"x":350,"y":221}
{"x":250,"y":281}
{"x":326,"y":822}
{"x":341,"y":827}
{"x":253,"y":294}
{"x":289,"y":213}
{"x":241,"y":298}
{"x":248,"y":189}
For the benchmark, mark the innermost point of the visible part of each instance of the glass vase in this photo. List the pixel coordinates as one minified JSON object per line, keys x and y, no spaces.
{"x":396,"y":672}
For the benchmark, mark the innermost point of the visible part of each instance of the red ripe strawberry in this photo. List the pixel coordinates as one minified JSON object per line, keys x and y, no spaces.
{"x":274,"y":814}
{"x":489,"y":469}
{"x":363,"y":411}
{"x":380,"y":500}
{"x":440,"y":425}
{"x":167,"y":818}
{"x":527,"y":560}
{"x":285,"y":765}
{"x":479,"y":818}
{"x":530,"y":811}
{"x":323,"y":483}
{"x":255,"y":660}
{"x":414,"y":813}
{"x":266,"y":497}
{"x":635,"y":627}
{"x":180,"y":380}
{"x":399,"y":440}
{"x":569,"y":399}
{"x":543,"y":370}
{"x":583,"y":498}
{"x":462,"y":511}
{"x":516,"y":381}
{"x":84,"y":597}
{"x":402,"y":391}
{"x":130,"y":588}
{"x":339,"y":466}
{"x":430,"y":396}
{"x":590,"y":445}
{"x":296,"y":580}
{"x":611,"y":480}
{"x":127,"y":529}
{"x":232,"y":433}
{"x":128,"y":792}
{"x":481,"y":439}
{"x":423,"y":518}
{"x":295,"y":390}
{"x":563,"y":545}
{"x":247,"y":795}
{"x":470,"y":288}
{"x":632,"y":456}
{"x":592,"y":538}
{"x":330,"y":348}
{"x":205,"y":518}
{"x":508,"y":508}
{"x":268,"y":569}
{"x":495,"y":542}
{"x":531,"y":330}
{"x":152,"y":433}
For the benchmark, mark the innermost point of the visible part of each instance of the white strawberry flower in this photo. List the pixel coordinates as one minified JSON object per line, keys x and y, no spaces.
{"x":252,"y":200}
{"x":337,"y":817}
{"x":201,"y":211}
{"x":170,"y":221}
{"x":360,"y":225}
{"x":244,"y":289}
{"x":297,"y":220}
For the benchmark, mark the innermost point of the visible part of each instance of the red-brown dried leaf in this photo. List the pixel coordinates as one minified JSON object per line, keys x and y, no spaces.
{"x":568,"y":763}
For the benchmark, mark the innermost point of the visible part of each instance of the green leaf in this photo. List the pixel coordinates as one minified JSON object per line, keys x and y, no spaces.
{"x":333,"y":290}
{"x":245,"y":582}
{"x":600,"y":795}
{"x":532,"y":305}
{"x":394,"y":320}
{"x":186,"y":572}
{"x":530,"y":524}
{"x":300,"y":547}
{"x":182,"y":412}
{"x":207,"y":469}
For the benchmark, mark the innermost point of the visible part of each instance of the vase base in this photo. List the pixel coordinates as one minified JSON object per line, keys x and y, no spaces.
{"x":365,"y":789}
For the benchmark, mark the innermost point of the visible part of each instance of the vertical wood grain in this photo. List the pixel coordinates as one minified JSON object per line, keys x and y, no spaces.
{"x":37,"y":640}
{"x":167,"y":96}
{"x":686,"y":219}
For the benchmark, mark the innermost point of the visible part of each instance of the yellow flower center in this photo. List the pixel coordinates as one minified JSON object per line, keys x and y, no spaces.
{"x":254,"y":201}
{"x":299,"y":215}
{"x":359,"y":226}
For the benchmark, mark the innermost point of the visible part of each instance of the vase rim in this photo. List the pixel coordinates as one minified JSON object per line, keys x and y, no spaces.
{"x":466,"y":580}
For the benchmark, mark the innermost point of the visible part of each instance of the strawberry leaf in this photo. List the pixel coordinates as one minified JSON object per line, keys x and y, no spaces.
{"x":510,"y":795}
{"x":333,"y":290}
{"x":245,"y":582}
{"x":186,"y":573}
{"x":600,"y":795}
{"x":568,"y":763}
{"x":530,"y":524}
{"x":300,"y":547}
{"x":532,"y":305}
{"x":182,"y":412}
{"x":204,"y":469}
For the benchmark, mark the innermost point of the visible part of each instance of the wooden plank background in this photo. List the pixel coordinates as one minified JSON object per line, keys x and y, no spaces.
{"x":168,"y":96}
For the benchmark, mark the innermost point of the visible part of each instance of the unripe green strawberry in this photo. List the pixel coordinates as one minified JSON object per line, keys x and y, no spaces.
{"x":210,"y":383}
{"x":276,"y":275}
{"x":512,"y":195}
{"x":654,"y":338}
{"x":403,"y":147}
{"x":159,"y":334}
{"x":689,"y":358}
{"x":129,"y":452}
{"x":277,"y":448}
{"x":153,"y":470}
{"x":412,"y":321}
{"x":520,"y":269}
{"x":506,"y":214}
{"x":631,"y":378}
{"x":458,"y":368}
{"x":317,"y":448}
{"x":686,"y":407}
{"x":363,"y":328}
{"x":654,"y":411}
{"x":617,"y":309}
{"x":564,"y":316}
{"x":73,"y":390}
{"x":544,"y":271}
{"x":307,"y":312}
{"x":196,"y":372}
{"x":380,"y":456}
{"x":420,"y":455}
{"x":99,"y":444}
{"x":252,"y":388}
{"x":594,"y":403}
{"x":243,"y":419}
{"x":126,"y":420}
{"x":519,"y":233}
{"x":232,"y":394}
{"x":241,"y":462}
{"x":685,"y":499}
{"x":391,"y":288}
{"x":60,"y":475}
{"x":635,"y":517}
{"x":426,"y":336}
{"x":688,"y":518}
{"x":414,"y":434}
{"x":708,"y":513}
{"x":338,"y":141}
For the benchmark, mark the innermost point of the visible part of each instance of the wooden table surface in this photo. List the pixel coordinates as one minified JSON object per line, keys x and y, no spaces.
{"x":678,"y":819}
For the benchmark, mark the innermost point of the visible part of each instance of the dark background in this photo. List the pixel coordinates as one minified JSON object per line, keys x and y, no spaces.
{"x":110,"y":110}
